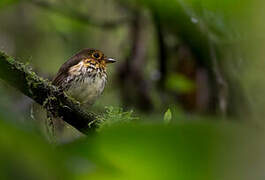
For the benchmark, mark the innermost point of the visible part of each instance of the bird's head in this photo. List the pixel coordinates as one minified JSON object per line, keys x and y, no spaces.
{"x":82,"y":62}
{"x":93,"y":57}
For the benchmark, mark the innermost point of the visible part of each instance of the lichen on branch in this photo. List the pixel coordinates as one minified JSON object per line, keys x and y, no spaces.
{"x":21,"y":77}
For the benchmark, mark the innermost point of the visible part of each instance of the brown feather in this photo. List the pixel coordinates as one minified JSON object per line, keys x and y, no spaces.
{"x":64,"y":70}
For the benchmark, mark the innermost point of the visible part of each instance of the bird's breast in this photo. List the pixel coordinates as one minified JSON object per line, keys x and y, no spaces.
{"x":87,"y":89}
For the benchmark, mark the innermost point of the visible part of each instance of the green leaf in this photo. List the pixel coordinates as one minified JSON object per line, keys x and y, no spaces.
{"x":167,"y":116}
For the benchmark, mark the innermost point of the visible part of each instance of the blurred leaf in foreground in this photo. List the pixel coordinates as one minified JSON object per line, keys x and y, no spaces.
{"x":200,"y":150}
{"x":181,"y":151}
{"x":26,"y":155}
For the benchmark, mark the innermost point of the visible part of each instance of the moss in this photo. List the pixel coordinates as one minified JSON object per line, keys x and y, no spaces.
{"x":7,"y":58}
{"x":114,"y":116}
{"x":32,"y":83}
{"x":33,"y":80}
{"x":48,"y":100}
{"x":73,"y":100}
{"x":50,"y":103}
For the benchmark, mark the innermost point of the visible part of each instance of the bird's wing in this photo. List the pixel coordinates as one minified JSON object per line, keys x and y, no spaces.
{"x":59,"y":78}
{"x":64,"y":70}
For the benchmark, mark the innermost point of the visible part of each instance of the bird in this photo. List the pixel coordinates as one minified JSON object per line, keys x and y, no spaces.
{"x":84,"y":75}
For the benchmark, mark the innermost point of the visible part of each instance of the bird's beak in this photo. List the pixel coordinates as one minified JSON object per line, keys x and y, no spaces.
{"x":110,"y":60}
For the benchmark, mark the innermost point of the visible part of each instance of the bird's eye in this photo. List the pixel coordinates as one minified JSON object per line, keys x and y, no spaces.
{"x":87,"y":60}
{"x":96,"y":55}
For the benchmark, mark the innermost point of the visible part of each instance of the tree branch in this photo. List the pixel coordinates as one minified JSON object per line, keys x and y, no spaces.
{"x":41,"y":91}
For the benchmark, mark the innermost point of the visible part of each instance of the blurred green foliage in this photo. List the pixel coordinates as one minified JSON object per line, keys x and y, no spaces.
{"x":4,"y":3}
{"x":179,"y":83}
{"x":26,"y":155}
{"x":180,"y":151}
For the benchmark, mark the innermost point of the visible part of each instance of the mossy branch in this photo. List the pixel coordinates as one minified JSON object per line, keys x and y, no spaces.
{"x":44,"y":93}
